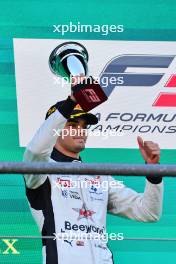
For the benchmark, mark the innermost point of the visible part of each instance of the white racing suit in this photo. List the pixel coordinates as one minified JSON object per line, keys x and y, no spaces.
{"x":59,"y":206}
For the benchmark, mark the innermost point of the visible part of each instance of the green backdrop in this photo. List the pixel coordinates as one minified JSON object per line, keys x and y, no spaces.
{"x":148,"y":20}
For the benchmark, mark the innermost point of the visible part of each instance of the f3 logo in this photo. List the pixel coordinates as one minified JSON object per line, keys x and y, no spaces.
{"x":136,"y":70}
{"x":91,"y":95}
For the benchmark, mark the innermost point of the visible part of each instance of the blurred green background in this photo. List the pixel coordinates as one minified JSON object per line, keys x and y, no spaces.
{"x":148,"y":20}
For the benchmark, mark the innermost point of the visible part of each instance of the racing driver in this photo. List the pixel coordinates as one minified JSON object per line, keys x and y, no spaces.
{"x":60,"y":208}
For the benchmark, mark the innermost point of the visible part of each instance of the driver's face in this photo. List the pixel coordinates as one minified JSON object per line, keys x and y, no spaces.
{"x":74,"y":135}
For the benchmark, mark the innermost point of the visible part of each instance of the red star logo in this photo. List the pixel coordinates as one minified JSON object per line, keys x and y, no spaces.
{"x":84,"y":212}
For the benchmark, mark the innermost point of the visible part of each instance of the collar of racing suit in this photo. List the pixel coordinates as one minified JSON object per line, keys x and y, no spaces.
{"x":60,"y":157}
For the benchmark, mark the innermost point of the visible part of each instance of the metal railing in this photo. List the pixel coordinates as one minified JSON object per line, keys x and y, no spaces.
{"x":164,"y":170}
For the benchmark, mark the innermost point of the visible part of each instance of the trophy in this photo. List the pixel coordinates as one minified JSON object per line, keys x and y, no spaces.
{"x":70,"y":59}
